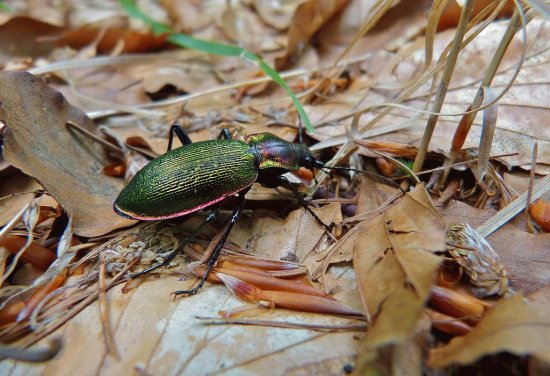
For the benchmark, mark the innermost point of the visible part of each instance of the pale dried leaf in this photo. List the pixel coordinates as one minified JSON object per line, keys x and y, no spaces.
{"x":38,"y":142}
{"x":394,"y":264}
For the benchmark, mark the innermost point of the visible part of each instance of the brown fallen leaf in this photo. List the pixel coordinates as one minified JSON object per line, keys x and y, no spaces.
{"x":513,"y":325}
{"x":275,"y":15}
{"x":21,"y":187}
{"x":394,"y":258}
{"x":38,"y":142}
{"x":110,"y":36}
{"x":394,"y":264}
{"x":308,"y":18}
{"x":24,"y":37}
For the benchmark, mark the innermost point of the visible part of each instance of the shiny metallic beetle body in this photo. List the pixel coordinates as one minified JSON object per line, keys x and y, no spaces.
{"x":198,"y":175}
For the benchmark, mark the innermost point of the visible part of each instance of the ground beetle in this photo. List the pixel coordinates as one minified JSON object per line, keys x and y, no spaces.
{"x":197,"y":175}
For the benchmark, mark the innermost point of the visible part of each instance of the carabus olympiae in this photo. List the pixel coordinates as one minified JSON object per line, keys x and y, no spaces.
{"x":198,"y":175}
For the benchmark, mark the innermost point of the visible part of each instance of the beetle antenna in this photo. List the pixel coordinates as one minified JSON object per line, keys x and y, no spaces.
{"x":372,"y":174}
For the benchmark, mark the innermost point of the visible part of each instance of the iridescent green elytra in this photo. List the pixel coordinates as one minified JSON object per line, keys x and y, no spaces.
{"x":195,"y":176}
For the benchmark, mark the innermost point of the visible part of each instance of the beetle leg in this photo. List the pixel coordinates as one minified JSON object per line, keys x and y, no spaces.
{"x":285,"y":183}
{"x":168,"y":259}
{"x":217,"y":250}
{"x":225,"y":134}
{"x":181,"y":133}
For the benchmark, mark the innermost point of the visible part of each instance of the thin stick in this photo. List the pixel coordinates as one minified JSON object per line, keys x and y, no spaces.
{"x":104,"y":312}
{"x":530,"y":226}
{"x":97,"y":139}
{"x":287,"y":325}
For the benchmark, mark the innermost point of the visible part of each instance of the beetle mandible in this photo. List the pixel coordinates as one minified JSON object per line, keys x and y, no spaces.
{"x":198,"y":175}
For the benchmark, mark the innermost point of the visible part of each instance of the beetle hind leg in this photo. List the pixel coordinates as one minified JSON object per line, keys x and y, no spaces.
{"x":217,"y":249}
{"x":168,"y":259}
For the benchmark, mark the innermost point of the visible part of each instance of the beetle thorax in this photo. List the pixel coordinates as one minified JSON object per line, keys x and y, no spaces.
{"x":275,"y":152}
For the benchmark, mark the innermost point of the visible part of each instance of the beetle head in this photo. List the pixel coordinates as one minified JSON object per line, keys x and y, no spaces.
{"x":306,"y":158}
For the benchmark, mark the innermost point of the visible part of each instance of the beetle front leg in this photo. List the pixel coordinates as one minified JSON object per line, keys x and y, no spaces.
{"x":217,"y":250}
{"x":168,"y":259}
{"x":181,"y":133}
{"x":285,"y":183}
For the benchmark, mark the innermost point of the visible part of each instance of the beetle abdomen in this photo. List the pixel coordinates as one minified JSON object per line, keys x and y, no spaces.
{"x":188,"y":179}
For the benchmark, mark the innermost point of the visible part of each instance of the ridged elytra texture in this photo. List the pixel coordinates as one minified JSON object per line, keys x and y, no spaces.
{"x":188,"y":179}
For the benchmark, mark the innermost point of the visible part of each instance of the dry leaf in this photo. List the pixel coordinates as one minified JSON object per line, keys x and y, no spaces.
{"x":20,"y":38}
{"x":308,"y":18}
{"x":22,"y":186}
{"x":276,"y":14}
{"x":290,"y":239}
{"x":512,"y":325}
{"x":394,"y":267}
{"x":112,"y":37}
{"x":394,"y":264}
{"x":38,"y":142}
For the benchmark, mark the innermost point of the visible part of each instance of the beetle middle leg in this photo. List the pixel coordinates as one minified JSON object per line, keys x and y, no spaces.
{"x":168,"y":259}
{"x":181,"y":133}
{"x":217,"y":249}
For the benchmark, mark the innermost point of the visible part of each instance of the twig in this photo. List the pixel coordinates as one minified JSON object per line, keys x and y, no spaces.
{"x":89,"y":134}
{"x":286,"y":325}
{"x":530,"y":226}
{"x":104,"y":312}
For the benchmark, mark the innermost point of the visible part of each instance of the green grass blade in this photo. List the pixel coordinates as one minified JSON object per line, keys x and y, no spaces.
{"x":5,"y":7}
{"x":214,"y":48}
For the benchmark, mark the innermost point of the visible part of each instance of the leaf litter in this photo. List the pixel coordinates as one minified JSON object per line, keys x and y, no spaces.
{"x":400,"y":270}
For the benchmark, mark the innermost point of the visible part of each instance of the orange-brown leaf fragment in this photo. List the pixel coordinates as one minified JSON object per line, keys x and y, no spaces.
{"x":284,"y":299}
{"x":513,"y":325}
{"x":540,"y":211}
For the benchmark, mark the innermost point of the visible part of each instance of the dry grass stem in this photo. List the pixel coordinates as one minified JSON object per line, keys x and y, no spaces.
{"x":467,"y":10}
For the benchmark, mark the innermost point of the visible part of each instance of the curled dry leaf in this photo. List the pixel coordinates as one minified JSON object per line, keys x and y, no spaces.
{"x":512,"y":325}
{"x":285,"y":299}
{"x":35,"y":254}
{"x":20,"y":187}
{"x":394,"y":264}
{"x":110,"y":37}
{"x":447,"y":324}
{"x":457,"y":304}
{"x":276,"y":14}
{"x":38,"y":142}
{"x":309,"y":17}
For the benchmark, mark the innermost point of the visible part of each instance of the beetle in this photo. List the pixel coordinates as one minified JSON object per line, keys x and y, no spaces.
{"x":198,"y":175}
